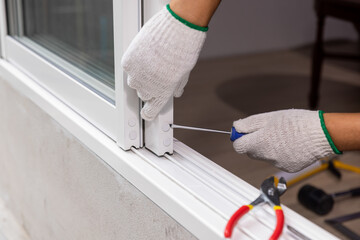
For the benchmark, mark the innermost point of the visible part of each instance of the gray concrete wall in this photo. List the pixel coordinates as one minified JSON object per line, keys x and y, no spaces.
{"x":58,"y":189}
{"x":248,"y":26}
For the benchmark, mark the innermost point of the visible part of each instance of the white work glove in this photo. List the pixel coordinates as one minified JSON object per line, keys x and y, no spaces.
{"x":289,"y":139}
{"x":159,"y":59}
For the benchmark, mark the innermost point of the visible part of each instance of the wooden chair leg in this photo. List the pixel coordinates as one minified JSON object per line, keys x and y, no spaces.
{"x":357,"y":27}
{"x":317,"y":60}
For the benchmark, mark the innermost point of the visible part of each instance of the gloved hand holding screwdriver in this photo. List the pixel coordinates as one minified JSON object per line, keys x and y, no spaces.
{"x":293,"y":139}
{"x":158,"y":63}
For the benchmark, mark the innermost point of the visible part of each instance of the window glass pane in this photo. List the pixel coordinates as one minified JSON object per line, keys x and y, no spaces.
{"x":75,"y":35}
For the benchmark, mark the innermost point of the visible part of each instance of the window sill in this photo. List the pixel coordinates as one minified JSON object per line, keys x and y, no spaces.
{"x":196,"y":192}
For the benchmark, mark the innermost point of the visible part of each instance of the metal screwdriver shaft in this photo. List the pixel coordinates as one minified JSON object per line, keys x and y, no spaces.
{"x":199,"y":129}
{"x":233,"y":134}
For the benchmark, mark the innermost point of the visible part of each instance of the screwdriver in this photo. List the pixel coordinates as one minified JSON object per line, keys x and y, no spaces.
{"x":233,"y":134}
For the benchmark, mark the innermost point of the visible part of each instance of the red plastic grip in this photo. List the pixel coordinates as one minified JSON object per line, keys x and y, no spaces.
{"x":279,"y":223}
{"x":234,"y":218}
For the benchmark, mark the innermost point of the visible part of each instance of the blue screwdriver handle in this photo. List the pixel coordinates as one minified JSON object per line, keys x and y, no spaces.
{"x":235,"y":135}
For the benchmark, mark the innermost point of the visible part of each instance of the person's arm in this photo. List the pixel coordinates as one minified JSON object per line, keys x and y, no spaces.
{"x":198,"y":12}
{"x":293,"y":139}
{"x":162,"y":55}
{"x":344,"y":129}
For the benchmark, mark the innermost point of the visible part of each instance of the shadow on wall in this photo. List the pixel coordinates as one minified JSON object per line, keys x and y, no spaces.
{"x":256,"y":94}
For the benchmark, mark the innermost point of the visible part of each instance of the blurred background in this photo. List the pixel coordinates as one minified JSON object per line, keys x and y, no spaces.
{"x":258,"y":57}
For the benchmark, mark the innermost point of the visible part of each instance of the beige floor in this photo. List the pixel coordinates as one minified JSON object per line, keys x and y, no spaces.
{"x":223,"y":90}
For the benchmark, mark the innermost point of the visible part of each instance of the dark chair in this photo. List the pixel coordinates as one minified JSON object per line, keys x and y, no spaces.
{"x":348,"y":10}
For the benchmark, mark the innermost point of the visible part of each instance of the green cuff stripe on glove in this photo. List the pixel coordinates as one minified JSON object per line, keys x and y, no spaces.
{"x":328,"y":137}
{"x":189,"y":24}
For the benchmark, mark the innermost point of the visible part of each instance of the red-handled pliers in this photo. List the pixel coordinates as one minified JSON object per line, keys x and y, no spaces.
{"x":269,"y":194}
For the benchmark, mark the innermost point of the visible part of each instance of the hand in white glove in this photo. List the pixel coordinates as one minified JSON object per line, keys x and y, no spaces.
{"x":289,"y":139}
{"x":159,"y":59}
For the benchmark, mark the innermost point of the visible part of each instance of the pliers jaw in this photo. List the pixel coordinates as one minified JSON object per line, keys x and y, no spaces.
{"x":269,"y":194}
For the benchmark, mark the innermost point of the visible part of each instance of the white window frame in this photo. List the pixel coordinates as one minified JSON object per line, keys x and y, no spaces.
{"x":196,"y":192}
{"x":158,"y":134}
{"x":120,"y":121}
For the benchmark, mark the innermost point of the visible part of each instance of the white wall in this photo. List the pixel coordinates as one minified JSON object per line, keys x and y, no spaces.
{"x":248,"y":26}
